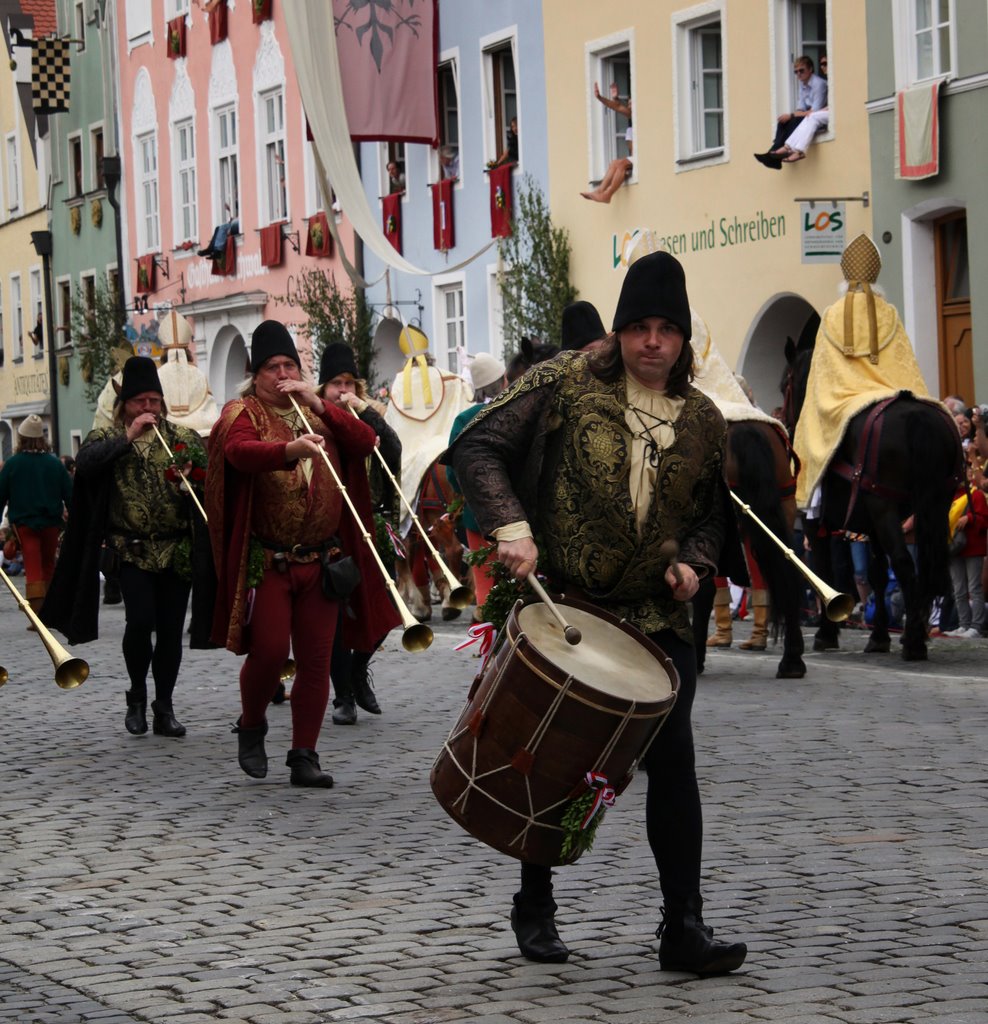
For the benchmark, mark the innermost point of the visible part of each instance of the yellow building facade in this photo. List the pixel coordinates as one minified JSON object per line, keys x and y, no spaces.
{"x":706,"y":83}
{"x":25,"y":386}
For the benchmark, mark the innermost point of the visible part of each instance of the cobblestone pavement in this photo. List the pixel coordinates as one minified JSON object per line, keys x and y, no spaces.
{"x":148,"y":879}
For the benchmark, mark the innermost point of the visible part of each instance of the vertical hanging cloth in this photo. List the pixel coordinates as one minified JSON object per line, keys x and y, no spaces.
{"x":145,"y":274}
{"x":226,"y":264}
{"x":217,"y":22}
{"x":260,"y":10}
{"x":917,"y":133}
{"x":443,"y":236}
{"x":271,"y":245}
{"x":318,"y":241}
{"x":176,"y":37}
{"x":391,"y":214}
{"x":500,"y":178}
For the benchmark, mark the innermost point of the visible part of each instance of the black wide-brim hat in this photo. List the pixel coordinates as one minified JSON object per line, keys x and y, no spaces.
{"x":140,"y":374}
{"x":581,"y":325}
{"x":337,"y":358}
{"x":271,"y":338}
{"x":655,"y":285}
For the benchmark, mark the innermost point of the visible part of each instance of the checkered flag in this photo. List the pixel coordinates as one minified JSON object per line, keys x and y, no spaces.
{"x":50,"y":76}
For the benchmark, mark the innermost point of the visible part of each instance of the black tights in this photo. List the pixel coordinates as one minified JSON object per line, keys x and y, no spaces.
{"x":154,"y":602}
{"x":673,"y":817}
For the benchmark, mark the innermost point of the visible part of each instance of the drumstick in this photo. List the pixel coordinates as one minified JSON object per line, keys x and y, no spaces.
{"x":571,"y":633}
{"x":669,"y":550}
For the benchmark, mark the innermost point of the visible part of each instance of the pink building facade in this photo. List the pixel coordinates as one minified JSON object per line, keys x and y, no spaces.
{"x":213,"y":136}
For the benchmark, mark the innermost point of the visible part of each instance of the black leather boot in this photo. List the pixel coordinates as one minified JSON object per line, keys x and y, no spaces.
{"x":361,"y":681}
{"x":687,"y":944}
{"x":534,"y":926}
{"x":165,"y":723}
{"x":136,"y":720}
{"x":250,"y":749}
{"x":344,"y":706}
{"x":306,"y":771}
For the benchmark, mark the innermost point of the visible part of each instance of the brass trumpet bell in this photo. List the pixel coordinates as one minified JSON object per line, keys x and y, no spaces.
{"x":416,"y":638}
{"x":69,"y":672}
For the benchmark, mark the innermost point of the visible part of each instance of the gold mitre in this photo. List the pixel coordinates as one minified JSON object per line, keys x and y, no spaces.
{"x":412,"y":341}
{"x":175,"y":331}
{"x":647,"y":242}
{"x":861,"y":264}
{"x":861,"y":260}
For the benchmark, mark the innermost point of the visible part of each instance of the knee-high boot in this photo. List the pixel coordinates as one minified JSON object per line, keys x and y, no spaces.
{"x":759,"y":630}
{"x":723,"y":636}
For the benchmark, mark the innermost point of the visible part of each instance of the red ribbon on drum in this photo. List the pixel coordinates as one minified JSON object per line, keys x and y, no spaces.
{"x":604,"y":797}
{"x":484,"y":632}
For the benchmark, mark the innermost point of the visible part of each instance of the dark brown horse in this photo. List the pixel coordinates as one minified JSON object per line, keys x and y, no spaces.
{"x":902,"y":460}
{"x":761,"y":472}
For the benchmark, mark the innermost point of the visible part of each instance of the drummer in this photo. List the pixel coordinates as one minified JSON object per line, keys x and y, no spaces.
{"x":582,"y":469}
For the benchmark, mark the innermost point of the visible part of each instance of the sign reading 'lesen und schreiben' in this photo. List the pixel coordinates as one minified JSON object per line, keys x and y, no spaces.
{"x":822,"y":232}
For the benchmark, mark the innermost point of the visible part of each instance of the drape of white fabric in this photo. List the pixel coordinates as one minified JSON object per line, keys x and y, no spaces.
{"x":313,"y":44}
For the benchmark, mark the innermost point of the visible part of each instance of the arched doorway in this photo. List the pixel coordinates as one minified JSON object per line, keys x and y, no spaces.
{"x":227,"y":364}
{"x":763,"y":355}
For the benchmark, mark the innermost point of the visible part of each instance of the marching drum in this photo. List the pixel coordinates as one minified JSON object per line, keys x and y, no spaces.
{"x":540,"y":715}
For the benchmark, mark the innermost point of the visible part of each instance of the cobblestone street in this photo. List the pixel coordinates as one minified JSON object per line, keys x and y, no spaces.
{"x":149,"y":880}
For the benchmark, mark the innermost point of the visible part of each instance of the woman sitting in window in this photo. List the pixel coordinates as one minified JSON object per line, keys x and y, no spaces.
{"x":618,"y":170}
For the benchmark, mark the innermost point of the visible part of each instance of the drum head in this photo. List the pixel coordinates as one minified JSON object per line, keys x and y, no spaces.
{"x":606,"y":659}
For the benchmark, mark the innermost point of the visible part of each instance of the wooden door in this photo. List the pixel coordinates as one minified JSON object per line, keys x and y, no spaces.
{"x":955,"y":341}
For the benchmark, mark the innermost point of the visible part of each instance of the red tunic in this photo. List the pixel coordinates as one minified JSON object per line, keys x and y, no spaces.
{"x":252,"y":491}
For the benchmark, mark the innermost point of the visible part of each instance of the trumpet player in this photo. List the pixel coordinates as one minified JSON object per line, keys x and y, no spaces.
{"x":278,"y":526}
{"x":130,"y":491}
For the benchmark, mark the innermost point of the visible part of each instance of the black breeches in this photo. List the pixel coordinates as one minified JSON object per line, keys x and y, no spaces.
{"x":673,"y":817}
{"x":154,"y":602}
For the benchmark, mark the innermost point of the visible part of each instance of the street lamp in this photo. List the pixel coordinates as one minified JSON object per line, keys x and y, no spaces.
{"x":42,"y":242}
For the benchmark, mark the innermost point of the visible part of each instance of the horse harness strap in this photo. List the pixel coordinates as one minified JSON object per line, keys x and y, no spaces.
{"x":863,"y":475}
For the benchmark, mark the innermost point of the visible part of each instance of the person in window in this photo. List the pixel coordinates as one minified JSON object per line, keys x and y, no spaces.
{"x":509,"y":155}
{"x":618,"y":170}
{"x":799,"y":142}
{"x":396,"y":177}
{"x":449,"y":162}
{"x":812,"y":97}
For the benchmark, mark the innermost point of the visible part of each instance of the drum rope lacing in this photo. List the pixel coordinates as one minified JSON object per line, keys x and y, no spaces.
{"x":473,"y":778}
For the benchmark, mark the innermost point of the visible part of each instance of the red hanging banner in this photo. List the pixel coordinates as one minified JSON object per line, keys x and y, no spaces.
{"x":145,"y":274}
{"x":391,"y":211}
{"x":271,"y":245}
{"x":217,"y":22}
{"x":226,"y":265}
{"x":501,"y":201}
{"x":443,"y":236}
{"x":318,"y":240}
{"x":176,"y":37}
{"x":260,"y":10}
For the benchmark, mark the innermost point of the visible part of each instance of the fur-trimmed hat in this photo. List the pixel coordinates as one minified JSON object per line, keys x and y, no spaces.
{"x":337,"y":358}
{"x":655,"y":285}
{"x":271,"y":338}
{"x":581,"y":325}
{"x":32,"y":426}
{"x":140,"y":374}
{"x":484,"y":370}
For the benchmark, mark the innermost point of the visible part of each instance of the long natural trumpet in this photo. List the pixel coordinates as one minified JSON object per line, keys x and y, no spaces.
{"x":459,"y":596}
{"x":417,"y":636}
{"x":836,"y":605}
{"x":188,"y":482}
{"x":69,"y":672}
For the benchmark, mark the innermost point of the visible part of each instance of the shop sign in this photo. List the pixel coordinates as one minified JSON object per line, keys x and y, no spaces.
{"x":823,"y":232}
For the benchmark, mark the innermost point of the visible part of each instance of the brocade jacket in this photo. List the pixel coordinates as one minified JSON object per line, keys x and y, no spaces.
{"x":554,"y":449}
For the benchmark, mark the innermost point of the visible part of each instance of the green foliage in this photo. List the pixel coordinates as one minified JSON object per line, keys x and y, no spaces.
{"x":577,"y":841}
{"x":97,"y":329}
{"x":505,"y":592}
{"x":535,"y":286}
{"x":383,"y":543}
{"x":336,"y":316}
